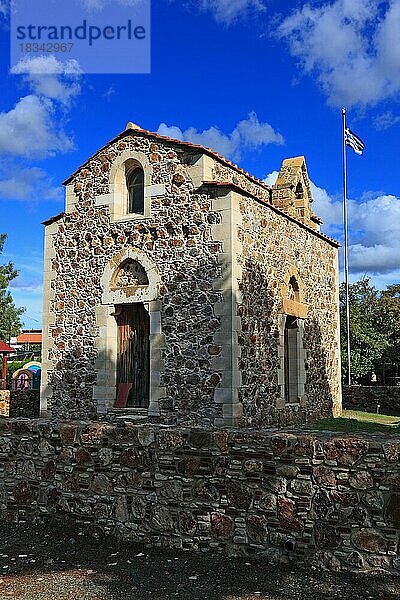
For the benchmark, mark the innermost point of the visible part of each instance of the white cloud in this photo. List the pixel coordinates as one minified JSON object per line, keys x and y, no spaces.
{"x":33,"y":128}
{"x":271,"y":178}
{"x":353,"y":46}
{"x":329,"y":209}
{"x":29,"y":129}
{"x":374,"y":231}
{"x":30,"y":183}
{"x":386,"y":120}
{"x":249,"y":134}
{"x":376,"y":234}
{"x":50,"y":77}
{"x":227,"y":11}
{"x":109,"y":93}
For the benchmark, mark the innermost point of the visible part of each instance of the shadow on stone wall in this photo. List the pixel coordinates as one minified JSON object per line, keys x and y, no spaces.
{"x":115,"y":570}
{"x":70,"y":390}
{"x":307,"y":497}
{"x":260,"y":361}
{"x":382,"y":399}
{"x":190,"y":379}
{"x":321,"y":372}
{"x":25,"y":403}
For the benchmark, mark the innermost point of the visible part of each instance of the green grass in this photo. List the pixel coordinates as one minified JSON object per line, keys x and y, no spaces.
{"x":355,"y":420}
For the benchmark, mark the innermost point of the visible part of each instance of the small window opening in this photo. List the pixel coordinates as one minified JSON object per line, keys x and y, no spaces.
{"x":291,"y":353}
{"x":135,"y":186}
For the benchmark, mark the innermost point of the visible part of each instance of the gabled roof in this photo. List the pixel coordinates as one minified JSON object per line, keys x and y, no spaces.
{"x":5,"y":348}
{"x":132,"y":128}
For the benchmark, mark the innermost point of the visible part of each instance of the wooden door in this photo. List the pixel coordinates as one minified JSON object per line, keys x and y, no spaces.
{"x":133,"y":361}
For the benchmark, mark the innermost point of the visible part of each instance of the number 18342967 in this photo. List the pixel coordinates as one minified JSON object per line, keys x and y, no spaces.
{"x":46,"y":47}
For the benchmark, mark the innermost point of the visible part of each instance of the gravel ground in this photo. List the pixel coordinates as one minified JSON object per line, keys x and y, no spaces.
{"x":43,"y":563}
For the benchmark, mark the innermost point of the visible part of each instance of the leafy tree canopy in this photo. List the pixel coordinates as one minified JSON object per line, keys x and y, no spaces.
{"x":374,"y":330}
{"x":10,"y":315}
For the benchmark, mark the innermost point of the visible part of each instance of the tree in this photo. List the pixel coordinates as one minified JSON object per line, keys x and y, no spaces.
{"x":374,"y":329}
{"x":390,"y":322}
{"x":10,"y":315}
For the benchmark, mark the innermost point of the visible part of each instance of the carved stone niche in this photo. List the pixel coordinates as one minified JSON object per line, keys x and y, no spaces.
{"x":130,"y":277}
{"x":292,"y":295}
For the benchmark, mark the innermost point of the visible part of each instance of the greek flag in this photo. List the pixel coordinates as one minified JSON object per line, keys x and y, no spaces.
{"x":352,"y":140}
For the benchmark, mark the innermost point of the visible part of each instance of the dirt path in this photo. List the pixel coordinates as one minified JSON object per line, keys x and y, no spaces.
{"x":39,"y":563}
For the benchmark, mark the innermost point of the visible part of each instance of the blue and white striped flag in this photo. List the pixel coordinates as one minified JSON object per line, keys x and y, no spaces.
{"x":352,"y":140}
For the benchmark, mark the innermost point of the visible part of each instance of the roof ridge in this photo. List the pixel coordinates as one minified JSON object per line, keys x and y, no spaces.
{"x":145,"y":132}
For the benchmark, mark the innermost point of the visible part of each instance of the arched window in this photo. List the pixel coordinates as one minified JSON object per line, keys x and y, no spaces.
{"x":135,"y":186}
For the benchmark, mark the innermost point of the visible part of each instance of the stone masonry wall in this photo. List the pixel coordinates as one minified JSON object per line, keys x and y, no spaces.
{"x":24,"y":403}
{"x":216,"y":359}
{"x":271,"y":246}
{"x":178,"y":239}
{"x":4,"y":403}
{"x":332,"y":500}
{"x":367,"y":398}
{"x":19,"y":403}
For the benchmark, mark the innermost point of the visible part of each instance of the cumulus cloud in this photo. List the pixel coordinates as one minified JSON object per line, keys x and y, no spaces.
{"x":249,"y":134}
{"x":227,"y":11}
{"x":33,"y":128}
{"x":30,"y":183}
{"x":29,"y":130}
{"x":50,"y":77}
{"x":330,"y":210}
{"x":271,"y":178}
{"x":376,"y":234}
{"x":386,"y":120}
{"x":374,"y":230}
{"x":352,"y":46}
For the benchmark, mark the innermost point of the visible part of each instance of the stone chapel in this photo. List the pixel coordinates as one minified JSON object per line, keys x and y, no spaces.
{"x":181,"y":289}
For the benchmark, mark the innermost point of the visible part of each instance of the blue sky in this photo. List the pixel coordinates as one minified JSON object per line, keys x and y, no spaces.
{"x":256,"y":81}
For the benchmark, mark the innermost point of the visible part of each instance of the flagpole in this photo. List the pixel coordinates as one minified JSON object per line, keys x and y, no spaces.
{"x":346,"y":248}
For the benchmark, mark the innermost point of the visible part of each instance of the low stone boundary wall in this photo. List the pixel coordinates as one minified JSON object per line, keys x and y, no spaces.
{"x":25,"y":403}
{"x":322,"y":498}
{"x":20,"y":403}
{"x":367,"y":398}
